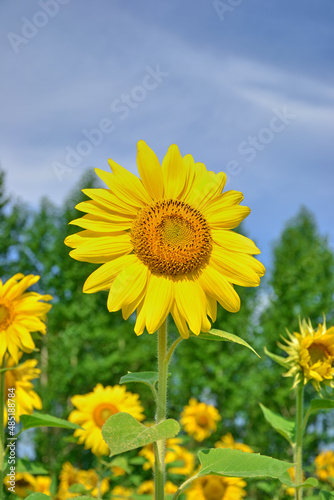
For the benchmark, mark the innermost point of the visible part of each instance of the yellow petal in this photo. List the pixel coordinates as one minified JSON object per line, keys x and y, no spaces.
{"x":94,"y":223}
{"x":125,"y":183}
{"x":127,"y":286}
{"x":190,"y":299}
{"x":215,"y":285}
{"x":150,"y":171}
{"x":234,"y":242}
{"x":111,"y":202}
{"x":158,"y":300}
{"x":102,"y":249}
{"x":103,"y":277}
{"x":226,"y":199}
{"x":234,"y":267}
{"x":180,"y":322}
{"x":228,"y":218}
{"x":174,"y":172}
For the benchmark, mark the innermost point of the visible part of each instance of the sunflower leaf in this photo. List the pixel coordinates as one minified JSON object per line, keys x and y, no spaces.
{"x":326,"y":495}
{"x":310,"y":482}
{"x":43,"y":420}
{"x":122,"y":432}
{"x":24,"y":465}
{"x":219,"y":335}
{"x":285,"y":427}
{"x":318,"y":405}
{"x":148,"y":378}
{"x":237,"y":463}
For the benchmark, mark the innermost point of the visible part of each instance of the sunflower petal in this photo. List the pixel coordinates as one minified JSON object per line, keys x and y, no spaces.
{"x":150,"y":171}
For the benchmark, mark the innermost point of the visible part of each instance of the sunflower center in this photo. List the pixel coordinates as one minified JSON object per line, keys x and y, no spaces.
{"x":171,"y":238}
{"x":318,"y":352}
{"x":214,"y":489}
{"x":202,"y":420}
{"x":102,"y":412}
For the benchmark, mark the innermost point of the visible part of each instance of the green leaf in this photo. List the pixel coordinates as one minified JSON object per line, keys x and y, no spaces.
{"x":281,"y":360}
{"x":122,"y":432}
{"x":326,"y":495}
{"x":310,"y":482}
{"x":24,"y":465}
{"x":44,"y":420}
{"x":318,"y":405}
{"x":236,"y":463}
{"x":282,"y":425}
{"x":121,"y":462}
{"x":38,"y":496}
{"x":219,"y":335}
{"x":148,"y":378}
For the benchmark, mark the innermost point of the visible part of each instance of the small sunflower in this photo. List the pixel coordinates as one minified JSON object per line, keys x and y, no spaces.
{"x":324,"y":463}
{"x":147,"y":488}
{"x":186,"y":462}
{"x":94,"y":408}
{"x":21,"y":313}
{"x":217,"y":488}
{"x":122,"y":493}
{"x":310,"y":355}
{"x":227,"y":441}
{"x":148,"y":452}
{"x":165,"y":242}
{"x":199,"y":419}
{"x":23,"y":484}
{"x":26,"y":399}
{"x":290,"y":490}
{"x":70,"y":475}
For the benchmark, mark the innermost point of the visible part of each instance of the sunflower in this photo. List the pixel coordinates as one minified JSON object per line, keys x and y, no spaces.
{"x":324,"y":463}
{"x":290,"y":490}
{"x":21,"y":313}
{"x":185,"y":462}
{"x":121,"y":492}
{"x":147,"y":488}
{"x":19,"y":378}
{"x":94,"y":408}
{"x":165,"y":242}
{"x":217,"y":488}
{"x":199,"y":419}
{"x":23,"y":484}
{"x":70,"y":475}
{"x":148,"y":452}
{"x":227,"y":441}
{"x":310,"y":355}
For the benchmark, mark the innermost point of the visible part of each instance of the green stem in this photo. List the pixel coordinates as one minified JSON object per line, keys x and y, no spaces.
{"x":2,"y":431}
{"x":159,"y":446}
{"x":298,"y":448}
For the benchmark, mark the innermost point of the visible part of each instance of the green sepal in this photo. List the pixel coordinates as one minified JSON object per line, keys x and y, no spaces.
{"x":281,"y":360}
{"x":237,"y":463}
{"x":285,"y":427}
{"x":219,"y":335}
{"x":43,"y":420}
{"x":122,"y":432}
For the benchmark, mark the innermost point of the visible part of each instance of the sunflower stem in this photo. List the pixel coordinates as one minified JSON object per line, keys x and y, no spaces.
{"x":159,"y":446}
{"x":2,"y":430}
{"x":298,"y":448}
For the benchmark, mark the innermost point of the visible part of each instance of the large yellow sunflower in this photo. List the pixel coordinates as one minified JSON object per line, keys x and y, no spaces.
{"x":165,"y":242}
{"x":94,"y":408}
{"x":21,"y":313}
{"x":199,"y":419}
{"x":311,"y":355}
{"x":19,"y":378}
{"x":217,"y":488}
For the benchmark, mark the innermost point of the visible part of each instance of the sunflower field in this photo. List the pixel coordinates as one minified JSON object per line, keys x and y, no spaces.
{"x":148,"y":354}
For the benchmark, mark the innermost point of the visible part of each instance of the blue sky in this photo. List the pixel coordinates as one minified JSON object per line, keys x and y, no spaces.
{"x":245,"y":86}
